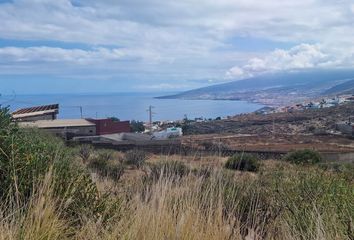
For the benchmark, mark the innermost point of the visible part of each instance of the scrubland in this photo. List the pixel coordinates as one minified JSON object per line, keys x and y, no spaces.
{"x":51,"y":191}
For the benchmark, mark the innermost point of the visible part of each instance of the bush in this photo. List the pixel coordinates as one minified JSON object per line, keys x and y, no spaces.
{"x":27,"y":155}
{"x":243,"y":162}
{"x":104,"y":165}
{"x":137,"y":126}
{"x":309,"y":194}
{"x":167,"y":168}
{"x":215,"y":146}
{"x":85,"y":152}
{"x":135,"y":157}
{"x":345,"y":170}
{"x":5,"y":118}
{"x":303,"y":157}
{"x":25,"y":158}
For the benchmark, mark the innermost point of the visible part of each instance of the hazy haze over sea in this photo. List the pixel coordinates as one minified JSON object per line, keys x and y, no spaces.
{"x":128,"y":106}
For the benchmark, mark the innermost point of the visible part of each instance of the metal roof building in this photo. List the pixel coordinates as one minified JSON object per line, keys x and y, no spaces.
{"x":58,"y":123}
{"x":45,"y":112}
{"x":67,"y":128}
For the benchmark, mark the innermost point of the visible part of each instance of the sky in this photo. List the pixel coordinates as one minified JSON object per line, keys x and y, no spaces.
{"x":78,"y":46}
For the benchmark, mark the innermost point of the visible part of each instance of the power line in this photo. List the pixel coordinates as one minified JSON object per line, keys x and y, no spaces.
{"x":151,"y":113}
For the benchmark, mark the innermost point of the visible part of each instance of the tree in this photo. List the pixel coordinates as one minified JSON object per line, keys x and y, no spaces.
{"x":137,"y":126}
{"x":115,"y":119}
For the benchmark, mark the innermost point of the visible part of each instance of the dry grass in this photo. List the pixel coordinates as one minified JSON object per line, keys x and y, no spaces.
{"x":40,"y":220}
{"x":192,"y":207}
{"x":45,"y":194}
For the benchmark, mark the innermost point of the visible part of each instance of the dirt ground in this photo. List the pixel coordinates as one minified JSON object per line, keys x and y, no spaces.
{"x":312,"y":129}
{"x":277,"y":142}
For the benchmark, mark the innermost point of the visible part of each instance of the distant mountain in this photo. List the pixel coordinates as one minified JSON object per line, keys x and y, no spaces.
{"x":277,"y":88}
{"x":344,"y":88}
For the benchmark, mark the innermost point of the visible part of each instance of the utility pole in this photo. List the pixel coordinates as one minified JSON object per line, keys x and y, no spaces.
{"x":151,"y":113}
{"x":273,"y":128}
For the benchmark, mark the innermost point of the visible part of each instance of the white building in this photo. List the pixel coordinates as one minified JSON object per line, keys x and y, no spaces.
{"x":169,"y":133}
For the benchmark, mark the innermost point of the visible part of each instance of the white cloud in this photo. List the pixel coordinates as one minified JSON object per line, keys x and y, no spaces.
{"x":304,"y":56}
{"x":50,"y":54}
{"x":164,"y":86}
{"x":236,"y":72}
{"x":185,"y":39}
{"x":189,"y":24}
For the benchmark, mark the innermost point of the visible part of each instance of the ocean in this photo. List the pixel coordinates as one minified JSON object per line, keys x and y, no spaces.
{"x":130,"y":106}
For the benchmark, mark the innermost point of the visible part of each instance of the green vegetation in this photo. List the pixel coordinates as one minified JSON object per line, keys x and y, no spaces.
{"x":303,"y":157}
{"x":48,"y":191}
{"x":168,"y":168}
{"x":114,"y":119}
{"x":27,"y":156}
{"x":104,"y":164}
{"x":137,"y":126}
{"x":85,"y":152}
{"x":135,"y":157}
{"x":243,"y":162}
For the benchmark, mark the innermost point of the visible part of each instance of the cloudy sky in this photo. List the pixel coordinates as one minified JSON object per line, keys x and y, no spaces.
{"x":166,"y":45}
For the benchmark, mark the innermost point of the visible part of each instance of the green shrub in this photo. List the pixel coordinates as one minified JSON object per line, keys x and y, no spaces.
{"x":135,"y":157}
{"x":306,"y":195}
{"x":215,"y":146}
{"x":104,"y":164}
{"x":345,"y":170}
{"x":303,"y":157}
{"x":5,"y":118}
{"x":137,"y":126}
{"x":243,"y":162}
{"x":25,"y":158}
{"x":168,"y":168}
{"x":27,"y":155}
{"x":85,"y":152}
{"x":98,"y":164}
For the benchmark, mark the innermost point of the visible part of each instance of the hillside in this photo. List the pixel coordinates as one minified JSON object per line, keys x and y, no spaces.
{"x":294,"y":123}
{"x":276,"y":88}
{"x":312,"y":128}
{"x":346,"y":88}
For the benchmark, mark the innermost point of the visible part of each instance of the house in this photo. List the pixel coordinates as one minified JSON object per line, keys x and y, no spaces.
{"x":69,"y":128}
{"x":172,"y":132}
{"x":334,"y":101}
{"x":199,"y":119}
{"x":46,"y":112}
{"x":313,"y":105}
{"x":66,"y":128}
{"x":110,"y":126}
{"x":265,"y":110}
{"x":328,"y":105}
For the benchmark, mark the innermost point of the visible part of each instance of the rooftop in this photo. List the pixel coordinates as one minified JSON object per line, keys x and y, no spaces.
{"x":35,"y":111}
{"x":58,"y":123}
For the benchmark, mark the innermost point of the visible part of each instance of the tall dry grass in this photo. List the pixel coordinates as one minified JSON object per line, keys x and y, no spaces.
{"x":39,"y":219}
{"x":213,"y":206}
{"x":171,"y":209}
{"x":221,"y":205}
